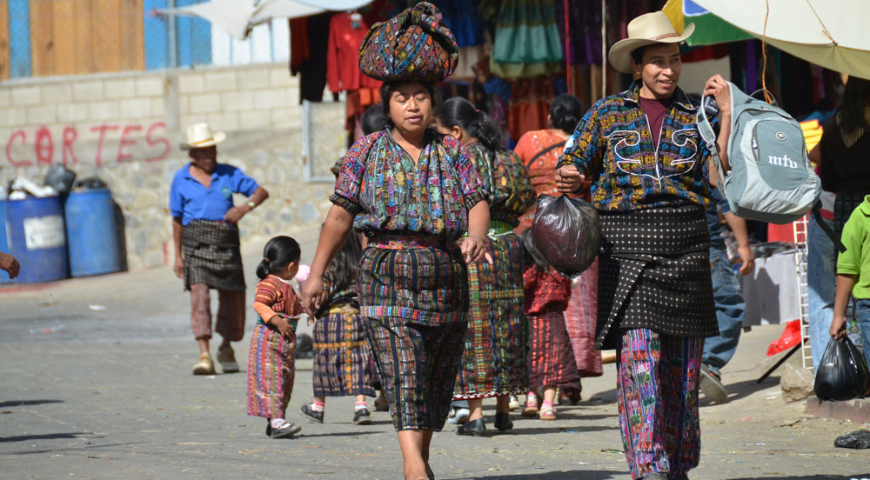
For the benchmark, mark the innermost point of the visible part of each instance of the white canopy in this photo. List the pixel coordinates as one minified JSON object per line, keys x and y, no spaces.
{"x":238,"y":17}
{"x":830,"y":33}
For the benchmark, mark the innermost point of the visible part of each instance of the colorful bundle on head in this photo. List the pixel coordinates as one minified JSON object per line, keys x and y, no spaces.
{"x":412,"y":46}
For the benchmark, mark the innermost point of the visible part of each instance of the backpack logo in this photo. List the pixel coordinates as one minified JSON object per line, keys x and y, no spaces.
{"x":782,"y":161}
{"x":781,"y":136}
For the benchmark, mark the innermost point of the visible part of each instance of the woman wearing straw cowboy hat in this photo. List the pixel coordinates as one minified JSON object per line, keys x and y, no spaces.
{"x":206,"y":238}
{"x":650,"y":174}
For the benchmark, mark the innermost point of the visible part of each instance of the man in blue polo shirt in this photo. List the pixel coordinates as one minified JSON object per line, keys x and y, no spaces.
{"x":206,"y":238}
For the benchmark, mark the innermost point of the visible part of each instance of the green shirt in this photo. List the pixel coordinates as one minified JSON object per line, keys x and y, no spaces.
{"x":856,"y":259}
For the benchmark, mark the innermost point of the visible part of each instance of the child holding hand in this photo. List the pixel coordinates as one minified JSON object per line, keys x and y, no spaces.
{"x":853,"y":275}
{"x":271,"y":361}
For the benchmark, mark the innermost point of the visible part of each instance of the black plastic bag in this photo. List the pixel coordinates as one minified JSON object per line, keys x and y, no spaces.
{"x":843,"y":373}
{"x":60,"y":178}
{"x":566,"y":232}
{"x":858,"y":439}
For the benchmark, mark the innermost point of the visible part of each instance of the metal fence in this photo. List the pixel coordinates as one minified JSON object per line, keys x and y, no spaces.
{"x":68,"y":37}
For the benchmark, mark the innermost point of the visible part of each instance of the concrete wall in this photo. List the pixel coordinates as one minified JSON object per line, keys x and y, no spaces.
{"x":125,"y":129}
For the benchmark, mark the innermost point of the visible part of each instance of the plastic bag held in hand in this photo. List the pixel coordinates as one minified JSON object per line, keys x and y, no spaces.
{"x":843,"y":373}
{"x":567,"y":234}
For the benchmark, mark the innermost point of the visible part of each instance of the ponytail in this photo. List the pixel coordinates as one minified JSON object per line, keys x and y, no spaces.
{"x":278,"y":253}
{"x":460,"y":112}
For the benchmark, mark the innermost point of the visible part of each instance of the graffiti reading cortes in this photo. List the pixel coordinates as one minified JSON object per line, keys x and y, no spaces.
{"x":98,"y":144}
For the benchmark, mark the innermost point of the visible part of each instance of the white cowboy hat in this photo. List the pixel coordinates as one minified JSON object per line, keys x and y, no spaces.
{"x":199,"y":135}
{"x":648,"y":29}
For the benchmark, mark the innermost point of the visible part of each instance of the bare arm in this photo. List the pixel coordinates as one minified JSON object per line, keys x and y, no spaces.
{"x":845,"y":284}
{"x":738,"y":227}
{"x":177,"y":231}
{"x":474,"y":245}
{"x":338,"y":225}
{"x":236,"y":213}
{"x":9,"y":264}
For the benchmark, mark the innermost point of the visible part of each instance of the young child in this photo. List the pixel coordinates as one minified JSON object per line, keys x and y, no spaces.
{"x":853,"y":275}
{"x":271,"y":364}
{"x":551,"y":359}
{"x":342,"y":356}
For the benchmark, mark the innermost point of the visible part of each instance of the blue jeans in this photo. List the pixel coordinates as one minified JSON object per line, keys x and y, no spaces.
{"x":862,"y":313}
{"x":730,"y":307}
{"x":822,"y":283}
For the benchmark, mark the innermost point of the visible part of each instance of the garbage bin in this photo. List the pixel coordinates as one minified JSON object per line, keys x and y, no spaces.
{"x":91,"y":233}
{"x":37,"y":238}
{"x":4,"y":245}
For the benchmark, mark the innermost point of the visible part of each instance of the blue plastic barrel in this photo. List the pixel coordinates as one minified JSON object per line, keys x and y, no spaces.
{"x":91,"y":233}
{"x":4,"y":245}
{"x":37,"y":238}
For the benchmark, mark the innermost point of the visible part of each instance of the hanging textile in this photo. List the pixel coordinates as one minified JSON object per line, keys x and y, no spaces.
{"x":527,"y":40}
{"x":308,"y":43}
{"x":584,"y":36}
{"x":342,"y":60}
{"x":463,"y":19}
{"x":530,"y":104}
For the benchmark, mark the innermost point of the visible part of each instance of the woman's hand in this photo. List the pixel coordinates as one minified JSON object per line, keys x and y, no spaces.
{"x":569,"y":179}
{"x":838,"y":326}
{"x":474,"y":250}
{"x":283,"y":325}
{"x":312,"y":295}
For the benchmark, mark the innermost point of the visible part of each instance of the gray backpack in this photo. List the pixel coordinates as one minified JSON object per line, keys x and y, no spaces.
{"x":771,"y":179}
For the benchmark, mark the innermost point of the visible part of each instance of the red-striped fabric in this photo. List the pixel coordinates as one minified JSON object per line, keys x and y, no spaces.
{"x":271,"y":371}
{"x":551,"y":359}
{"x":580,"y":318}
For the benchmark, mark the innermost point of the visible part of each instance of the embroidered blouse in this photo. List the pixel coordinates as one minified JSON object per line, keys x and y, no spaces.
{"x":275,"y":296}
{"x":613,"y":145}
{"x":387,"y":193}
{"x":543,"y":170}
{"x":506,"y":180}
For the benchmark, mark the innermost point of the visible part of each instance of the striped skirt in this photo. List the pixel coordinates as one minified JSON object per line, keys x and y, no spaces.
{"x":580,"y":318}
{"x":494,"y":363}
{"x":342,"y":356}
{"x":414,"y":302}
{"x":551,"y":359}
{"x":271,"y":370}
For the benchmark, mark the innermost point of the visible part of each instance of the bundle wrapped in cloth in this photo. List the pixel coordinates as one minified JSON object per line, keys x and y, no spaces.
{"x":412,"y":46}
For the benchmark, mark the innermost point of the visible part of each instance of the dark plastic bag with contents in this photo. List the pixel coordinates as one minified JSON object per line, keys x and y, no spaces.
{"x":843,"y":373}
{"x":566,"y":231}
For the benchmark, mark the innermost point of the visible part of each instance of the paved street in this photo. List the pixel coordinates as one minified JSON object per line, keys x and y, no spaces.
{"x":96,"y":384}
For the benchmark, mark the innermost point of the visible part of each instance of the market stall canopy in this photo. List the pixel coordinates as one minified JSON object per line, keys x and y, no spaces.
{"x":830,"y":33}
{"x":709,"y":29}
{"x":238,"y":17}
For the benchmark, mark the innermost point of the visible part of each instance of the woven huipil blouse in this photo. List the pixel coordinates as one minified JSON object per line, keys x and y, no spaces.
{"x":388,"y":194}
{"x":506,"y":180}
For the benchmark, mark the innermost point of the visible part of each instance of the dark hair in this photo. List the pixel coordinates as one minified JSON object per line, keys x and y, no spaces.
{"x":388,"y":88}
{"x":343,"y":271}
{"x":460,"y":112}
{"x":533,"y":252}
{"x":851,"y":111}
{"x":566,"y":112}
{"x":279,"y":252}
{"x":373,"y":120}
{"x":637,"y":55}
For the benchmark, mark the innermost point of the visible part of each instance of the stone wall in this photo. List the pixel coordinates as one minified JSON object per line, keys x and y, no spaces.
{"x":125,"y":129}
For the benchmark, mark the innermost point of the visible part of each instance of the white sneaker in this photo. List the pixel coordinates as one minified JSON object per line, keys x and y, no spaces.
{"x":227,"y":359}
{"x":514,"y":403}
{"x":458,"y":417}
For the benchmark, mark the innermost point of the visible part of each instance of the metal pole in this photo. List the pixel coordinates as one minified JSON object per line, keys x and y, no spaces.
{"x":603,"y":48}
{"x":172,"y":57}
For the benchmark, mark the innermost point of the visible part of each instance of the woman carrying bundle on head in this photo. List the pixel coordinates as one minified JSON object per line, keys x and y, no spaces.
{"x":494,"y":363}
{"x":414,"y":194}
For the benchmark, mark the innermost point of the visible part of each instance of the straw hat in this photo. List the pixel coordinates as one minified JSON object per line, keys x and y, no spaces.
{"x":648,"y":29}
{"x":199,"y":135}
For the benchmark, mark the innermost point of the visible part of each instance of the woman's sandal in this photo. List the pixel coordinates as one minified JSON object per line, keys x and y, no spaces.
{"x":548,"y":414}
{"x":531,"y":408}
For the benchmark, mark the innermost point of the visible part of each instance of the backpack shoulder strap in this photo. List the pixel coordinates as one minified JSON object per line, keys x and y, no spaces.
{"x":544,"y":152}
{"x":817,"y":214}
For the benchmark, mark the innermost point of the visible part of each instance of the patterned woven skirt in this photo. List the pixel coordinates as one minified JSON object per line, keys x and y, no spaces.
{"x":551,"y":358}
{"x":212,"y":256}
{"x":496,"y":344}
{"x":580,"y":318}
{"x":414,"y":303}
{"x":342,"y":356}
{"x":271,"y":370}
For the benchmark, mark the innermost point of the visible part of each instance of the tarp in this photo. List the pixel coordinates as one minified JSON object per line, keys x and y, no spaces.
{"x":238,"y":17}
{"x":709,"y":29}
{"x":830,"y":33}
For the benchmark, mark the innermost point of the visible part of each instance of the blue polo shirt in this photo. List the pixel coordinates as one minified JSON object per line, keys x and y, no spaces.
{"x":190,"y":200}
